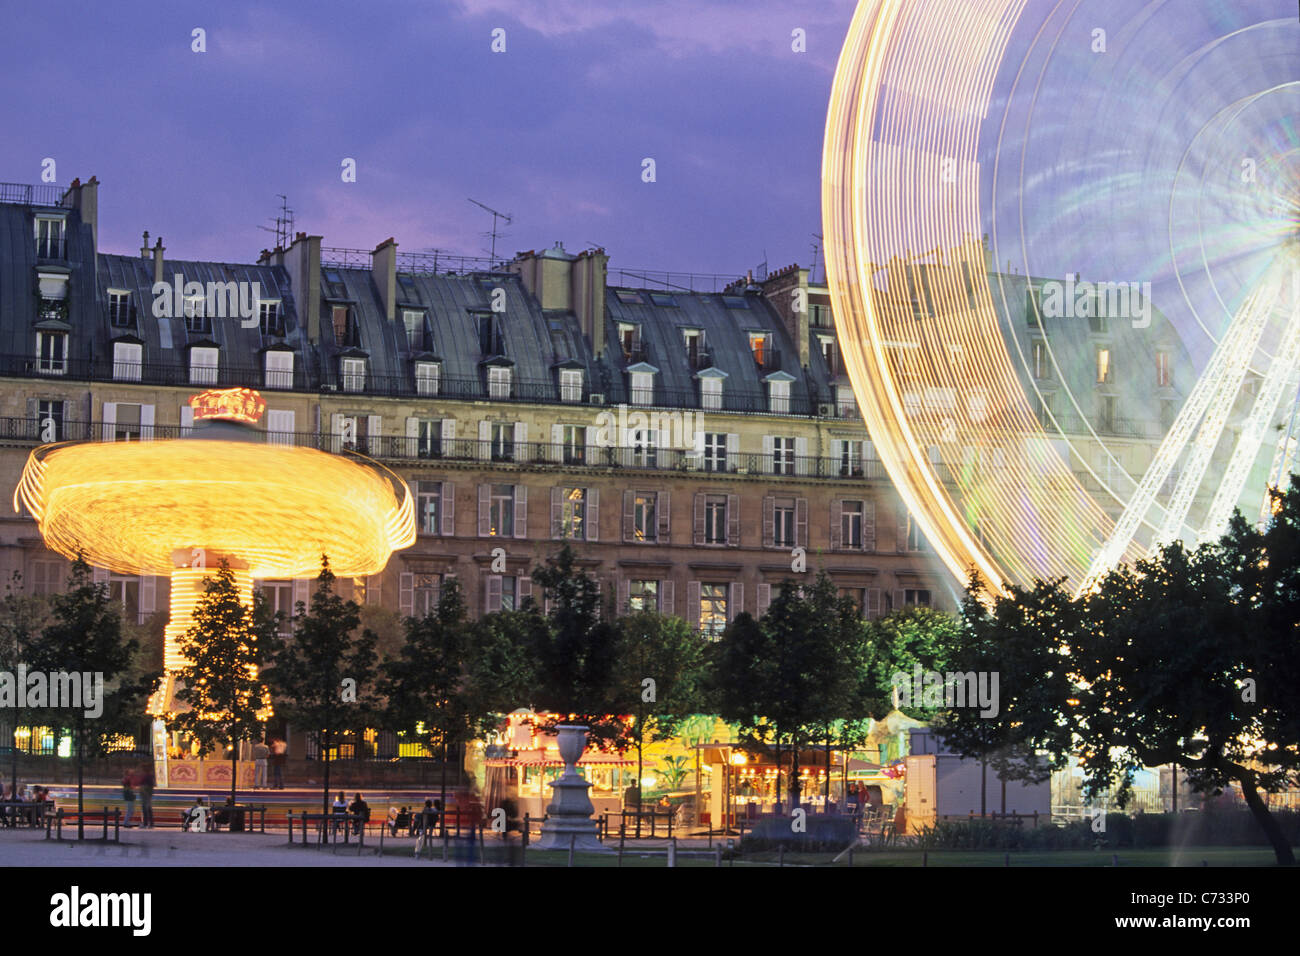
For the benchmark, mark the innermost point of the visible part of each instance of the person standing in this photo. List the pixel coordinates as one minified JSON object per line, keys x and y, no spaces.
{"x":128,"y":794}
{"x":279,"y":750}
{"x":260,"y":753}
{"x":146,"y":796}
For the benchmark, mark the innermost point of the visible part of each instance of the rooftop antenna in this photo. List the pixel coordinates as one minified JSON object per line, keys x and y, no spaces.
{"x":283,"y":223}
{"x":495,"y":216}
{"x":816,"y":248}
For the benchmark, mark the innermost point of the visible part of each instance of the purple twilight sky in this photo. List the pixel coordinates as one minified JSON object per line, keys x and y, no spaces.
{"x":195,"y":146}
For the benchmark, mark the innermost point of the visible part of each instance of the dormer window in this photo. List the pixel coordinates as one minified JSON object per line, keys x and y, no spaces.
{"x":52,"y":353}
{"x":345,"y":327}
{"x":778,"y":392}
{"x":269,"y":318}
{"x":279,"y":369}
{"x":490,"y":341}
{"x":628,"y":336}
{"x":354,"y":374}
{"x":499,"y":381}
{"x":128,"y":359}
{"x":196,"y":318}
{"x":119,"y":309}
{"x":641,"y":383}
{"x":758,"y":346}
{"x":50,"y":242}
{"x":570,"y":384}
{"x":413,"y":319}
{"x":711,"y":388}
{"x":427,"y":375}
{"x":203,"y":365}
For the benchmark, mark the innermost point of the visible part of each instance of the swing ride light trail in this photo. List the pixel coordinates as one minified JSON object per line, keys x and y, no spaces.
{"x":177,"y":507}
{"x":925,"y":347}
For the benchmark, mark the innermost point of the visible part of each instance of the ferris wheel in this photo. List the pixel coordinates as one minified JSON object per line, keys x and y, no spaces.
{"x":1063,"y":247}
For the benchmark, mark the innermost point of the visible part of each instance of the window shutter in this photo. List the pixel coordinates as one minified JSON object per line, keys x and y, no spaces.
{"x":484,"y":439}
{"x":521,"y":511}
{"x":899,"y":598}
{"x":800,"y":456}
{"x":735,"y":600}
{"x":868,"y":526}
{"x":764,"y":598}
{"x":374,"y":435}
{"x":837,"y":455}
{"x":375,"y":589}
{"x":592,"y":524}
{"x":733,"y":521}
{"x":623,"y":589}
{"x":557,"y":441}
{"x":589,"y":435}
{"x":523,"y":588}
{"x":406,"y":594}
{"x":801,"y":522}
{"x":484,"y":523}
{"x":187,"y":418}
{"x":769,"y":462}
{"x":146,"y":423}
{"x":733,"y":451}
{"x":300,"y":593}
{"x":448,"y":504}
{"x":693,"y":602}
{"x":448,"y":435}
{"x":557,"y":511}
{"x":492,"y":594}
{"x":837,"y":510}
{"x":666,"y":596}
{"x":699,"y":518}
{"x":110,"y":420}
{"x":900,"y":536}
{"x":521,"y":438}
{"x":873,"y":602}
{"x":769,"y":521}
{"x":99,"y":575}
{"x":412,"y":438}
{"x":629,"y":527}
{"x":148,"y":595}
{"x":662,"y":513}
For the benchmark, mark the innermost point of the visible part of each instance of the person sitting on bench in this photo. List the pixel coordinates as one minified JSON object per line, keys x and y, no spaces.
{"x":196,"y":818}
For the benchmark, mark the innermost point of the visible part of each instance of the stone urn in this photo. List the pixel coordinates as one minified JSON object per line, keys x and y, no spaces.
{"x":569,"y":820}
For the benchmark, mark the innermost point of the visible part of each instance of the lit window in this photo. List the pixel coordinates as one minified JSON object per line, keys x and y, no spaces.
{"x":501,"y":511}
{"x":573,"y":513}
{"x":1103,"y":367}
{"x":758,"y":346}
{"x":643,"y":596}
{"x":645,"y":525}
{"x":713,"y":610}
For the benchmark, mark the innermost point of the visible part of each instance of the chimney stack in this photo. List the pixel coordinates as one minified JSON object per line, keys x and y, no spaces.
{"x":144,"y":245}
{"x":158,"y":261}
{"x":302,"y":262}
{"x":383,"y":269}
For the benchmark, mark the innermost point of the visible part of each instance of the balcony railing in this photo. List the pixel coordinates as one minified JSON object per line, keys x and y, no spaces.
{"x":470,"y":451}
{"x":23,"y":194}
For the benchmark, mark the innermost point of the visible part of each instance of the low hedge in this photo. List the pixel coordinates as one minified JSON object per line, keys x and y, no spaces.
{"x":1153,"y":830}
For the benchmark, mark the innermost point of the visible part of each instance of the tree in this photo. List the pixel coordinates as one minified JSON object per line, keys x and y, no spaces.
{"x":323,"y":674}
{"x":84,"y":636}
{"x":22,"y":616}
{"x":426,"y":684}
{"x":219,"y":682}
{"x":661,"y":671}
{"x":1183,"y":659}
{"x":790,"y":676}
{"x":900,"y":641}
{"x":576,"y":654}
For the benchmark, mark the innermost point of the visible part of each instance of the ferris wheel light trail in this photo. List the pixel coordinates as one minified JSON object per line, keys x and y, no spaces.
{"x":936,"y":354}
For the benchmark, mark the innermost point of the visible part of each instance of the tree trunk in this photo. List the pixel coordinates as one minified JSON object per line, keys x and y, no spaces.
{"x":778,"y":770}
{"x":325,"y":740}
{"x":1267,"y":822}
{"x":234,"y":770}
{"x":794,"y":774}
{"x":827,"y":807}
{"x":640,"y":797}
{"x":442,"y":792}
{"x":81,"y":781}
